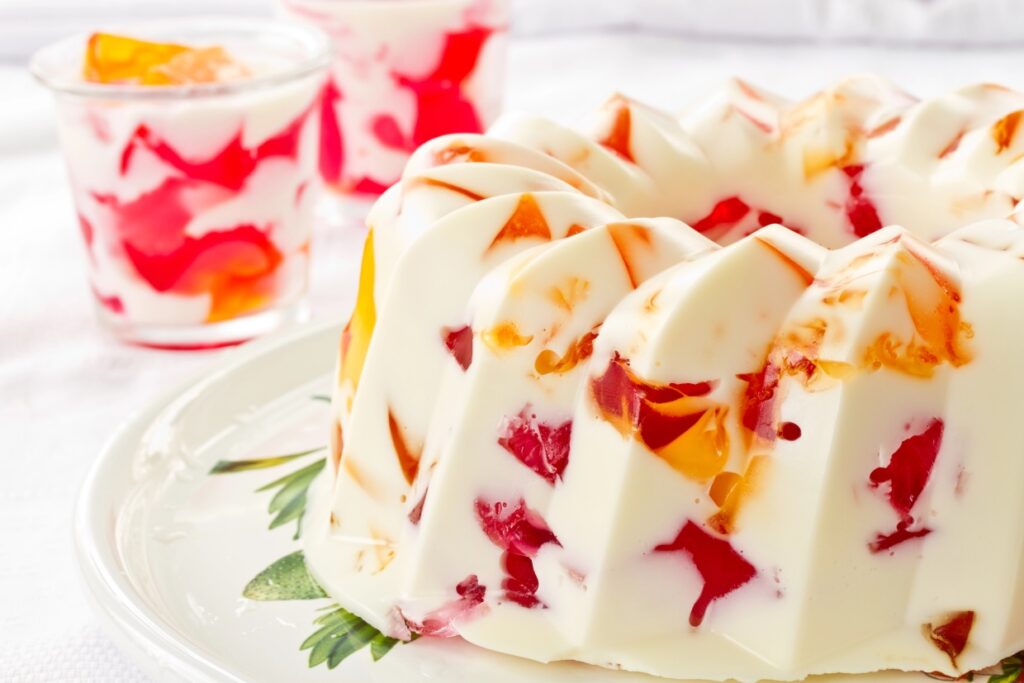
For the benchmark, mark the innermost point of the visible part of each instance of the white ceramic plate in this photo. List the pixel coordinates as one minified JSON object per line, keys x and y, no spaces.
{"x":166,"y":548}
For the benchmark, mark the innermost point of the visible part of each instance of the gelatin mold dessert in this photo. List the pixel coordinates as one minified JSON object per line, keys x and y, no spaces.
{"x":596,"y":403}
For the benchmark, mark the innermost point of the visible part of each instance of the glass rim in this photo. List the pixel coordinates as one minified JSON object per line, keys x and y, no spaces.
{"x":314,"y":43}
{"x":390,"y":4}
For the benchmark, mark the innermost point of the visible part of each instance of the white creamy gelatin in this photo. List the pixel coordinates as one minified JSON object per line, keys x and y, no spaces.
{"x":702,"y":446}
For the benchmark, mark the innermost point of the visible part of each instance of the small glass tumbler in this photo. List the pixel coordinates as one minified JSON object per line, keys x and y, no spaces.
{"x":404,"y":72}
{"x":196,"y":201}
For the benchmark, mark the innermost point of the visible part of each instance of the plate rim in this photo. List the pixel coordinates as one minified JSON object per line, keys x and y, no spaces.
{"x":139,"y":631}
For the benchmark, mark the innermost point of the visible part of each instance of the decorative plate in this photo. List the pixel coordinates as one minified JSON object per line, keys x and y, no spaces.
{"x":187,"y":535}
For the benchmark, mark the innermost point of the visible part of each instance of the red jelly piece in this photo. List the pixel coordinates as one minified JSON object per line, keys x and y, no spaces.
{"x":542,"y":447}
{"x":910,"y":467}
{"x":727,"y":212}
{"x":790,"y":431}
{"x":459,"y":342}
{"x":246,"y":248}
{"x":952,"y":634}
{"x":520,"y":532}
{"x":521,"y":584}
{"x":637,"y":407}
{"x":860,"y":210}
{"x":441,"y":622}
{"x":417,"y":510}
{"x":759,"y":402}
{"x":514,"y":528}
{"x":907,"y":474}
{"x":721,"y":567}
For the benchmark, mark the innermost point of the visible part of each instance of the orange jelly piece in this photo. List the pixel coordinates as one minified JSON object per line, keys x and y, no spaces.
{"x":355,"y":339}
{"x":119,"y":59}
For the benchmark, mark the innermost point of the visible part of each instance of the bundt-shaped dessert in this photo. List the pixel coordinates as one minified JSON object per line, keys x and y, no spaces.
{"x":719,"y":449}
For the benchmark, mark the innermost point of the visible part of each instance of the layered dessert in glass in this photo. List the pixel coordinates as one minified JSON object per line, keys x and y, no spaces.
{"x":192,"y":152}
{"x":404,"y":72}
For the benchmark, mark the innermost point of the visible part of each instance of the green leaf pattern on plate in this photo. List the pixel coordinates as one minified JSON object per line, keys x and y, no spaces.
{"x":232,"y":466}
{"x":286,"y":579}
{"x":289,"y":503}
{"x":340,"y":633}
{"x":1011,"y":670}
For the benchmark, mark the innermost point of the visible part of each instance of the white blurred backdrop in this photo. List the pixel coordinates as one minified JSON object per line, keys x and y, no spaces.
{"x":25,"y":24}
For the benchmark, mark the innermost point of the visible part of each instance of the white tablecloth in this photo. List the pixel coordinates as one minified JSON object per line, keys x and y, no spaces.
{"x":25,"y":24}
{"x":64,"y":386}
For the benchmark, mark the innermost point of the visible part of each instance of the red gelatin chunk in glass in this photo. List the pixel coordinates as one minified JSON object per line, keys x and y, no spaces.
{"x":441,"y":104}
{"x":542,"y":447}
{"x":111,"y":303}
{"x":385,"y":129}
{"x":721,"y":567}
{"x":230,"y":167}
{"x":332,"y":144}
{"x":235,"y":266}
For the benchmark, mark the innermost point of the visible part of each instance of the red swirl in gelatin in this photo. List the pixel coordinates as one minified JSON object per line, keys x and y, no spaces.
{"x":442,"y":107}
{"x":230,"y":167}
{"x":235,"y":264}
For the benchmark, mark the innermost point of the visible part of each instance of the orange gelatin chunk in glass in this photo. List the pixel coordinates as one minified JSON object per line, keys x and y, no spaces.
{"x":118,"y":59}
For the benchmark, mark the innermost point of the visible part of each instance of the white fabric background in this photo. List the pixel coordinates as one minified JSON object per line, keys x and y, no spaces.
{"x":25,"y":24}
{"x":64,"y":386}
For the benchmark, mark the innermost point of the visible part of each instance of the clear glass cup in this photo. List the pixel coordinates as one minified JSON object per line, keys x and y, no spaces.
{"x":196,"y":201}
{"x":404,"y":71}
